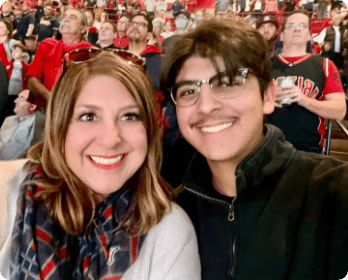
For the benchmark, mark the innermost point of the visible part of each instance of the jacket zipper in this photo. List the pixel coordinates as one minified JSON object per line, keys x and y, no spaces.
{"x":230,"y":218}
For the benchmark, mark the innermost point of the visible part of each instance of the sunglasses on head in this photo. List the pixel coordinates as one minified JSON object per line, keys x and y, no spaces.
{"x":85,"y":54}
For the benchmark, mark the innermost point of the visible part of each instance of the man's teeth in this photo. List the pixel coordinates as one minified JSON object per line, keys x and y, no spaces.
{"x":216,"y":128}
{"x":106,"y":161}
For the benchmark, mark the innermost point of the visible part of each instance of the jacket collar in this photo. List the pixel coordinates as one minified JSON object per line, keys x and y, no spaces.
{"x":270,"y":156}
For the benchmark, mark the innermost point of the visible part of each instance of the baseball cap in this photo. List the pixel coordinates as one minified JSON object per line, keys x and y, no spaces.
{"x":184,"y":12}
{"x":267,"y":18}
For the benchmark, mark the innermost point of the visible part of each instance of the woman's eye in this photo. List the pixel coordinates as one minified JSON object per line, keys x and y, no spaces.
{"x":87,"y":117}
{"x":131,"y":117}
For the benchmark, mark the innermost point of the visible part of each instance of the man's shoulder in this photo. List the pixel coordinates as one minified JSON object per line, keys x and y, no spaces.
{"x":322,"y":172}
{"x":48,"y":43}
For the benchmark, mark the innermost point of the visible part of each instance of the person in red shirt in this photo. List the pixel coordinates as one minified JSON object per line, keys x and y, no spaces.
{"x":48,"y":62}
{"x":121,"y":40}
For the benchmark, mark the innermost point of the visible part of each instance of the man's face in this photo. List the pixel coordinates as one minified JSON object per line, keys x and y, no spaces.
{"x":25,"y":8}
{"x":71,"y":23}
{"x":268,"y":30}
{"x":222,"y":130}
{"x":296,"y":31}
{"x":22,"y":107}
{"x":181,"y":21}
{"x":89,"y":17}
{"x":334,"y":12}
{"x":137,"y":30}
{"x":122,"y":24}
{"x":30,"y":44}
{"x":48,"y":11}
{"x":106,"y":32}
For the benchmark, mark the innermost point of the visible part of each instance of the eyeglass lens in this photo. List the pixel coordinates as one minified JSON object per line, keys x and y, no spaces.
{"x":187,"y":93}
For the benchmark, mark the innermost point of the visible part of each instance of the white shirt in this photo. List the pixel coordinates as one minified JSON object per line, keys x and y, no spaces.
{"x":150,"y":5}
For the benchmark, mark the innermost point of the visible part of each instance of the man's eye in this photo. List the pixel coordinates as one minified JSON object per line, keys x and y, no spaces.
{"x":87,"y":117}
{"x":186,"y":92}
{"x":131,"y":117}
{"x":238,"y":81}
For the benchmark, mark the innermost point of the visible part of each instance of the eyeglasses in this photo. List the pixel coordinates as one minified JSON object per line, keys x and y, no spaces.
{"x":84,"y":54}
{"x":300,"y":25}
{"x":186,"y":93}
{"x":141,"y":24}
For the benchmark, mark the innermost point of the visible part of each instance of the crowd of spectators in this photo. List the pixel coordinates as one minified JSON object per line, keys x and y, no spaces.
{"x":35,"y":36}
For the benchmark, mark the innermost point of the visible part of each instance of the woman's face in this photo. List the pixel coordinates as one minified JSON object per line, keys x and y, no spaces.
{"x":103,"y":17}
{"x":3,"y":29}
{"x":168,"y":26}
{"x":106,"y":141}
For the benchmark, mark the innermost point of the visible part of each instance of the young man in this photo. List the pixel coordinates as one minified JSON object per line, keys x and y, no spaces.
{"x":261,"y":209}
{"x":107,"y":34}
{"x":316,"y":93}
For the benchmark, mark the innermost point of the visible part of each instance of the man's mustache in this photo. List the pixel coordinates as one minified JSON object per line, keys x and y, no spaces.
{"x":64,"y":24}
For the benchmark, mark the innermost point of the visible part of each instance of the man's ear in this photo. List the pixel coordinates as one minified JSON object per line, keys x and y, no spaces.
{"x":269,"y":99}
{"x":281,"y":35}
{"x":32,"y":107}
{"x":84,"y":30}
{"x":148,"y":36}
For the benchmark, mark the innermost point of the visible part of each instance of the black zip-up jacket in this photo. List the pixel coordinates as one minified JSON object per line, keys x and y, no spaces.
{"x":289,"y":220}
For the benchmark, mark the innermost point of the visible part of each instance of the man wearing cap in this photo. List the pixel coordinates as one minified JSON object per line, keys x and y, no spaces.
{"x":268,"y":26}
{"x":30,"y":43}
{"x":26,"y":24}
{"x":308,"y":88}
{"x":181,"y":21}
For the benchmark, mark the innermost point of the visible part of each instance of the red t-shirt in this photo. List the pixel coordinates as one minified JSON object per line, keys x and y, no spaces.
{"x":121,"y":42}
{"x":48,"y":62}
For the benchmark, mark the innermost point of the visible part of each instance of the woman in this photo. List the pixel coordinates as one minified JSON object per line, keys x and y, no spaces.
{"x":6,"y":42}
{"x":95,"y":196}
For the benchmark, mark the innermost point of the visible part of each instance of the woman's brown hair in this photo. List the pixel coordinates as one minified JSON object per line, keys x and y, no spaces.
{"x":9,"y":28}
{"x":66,"y":199}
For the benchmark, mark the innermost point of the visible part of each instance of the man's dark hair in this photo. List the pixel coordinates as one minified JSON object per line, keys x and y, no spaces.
{"x":238,"y":44}
{"x":303,"y":12}
{"x":141,"y":14}
{"x":48,"y":4}
{"x":114,"y":27}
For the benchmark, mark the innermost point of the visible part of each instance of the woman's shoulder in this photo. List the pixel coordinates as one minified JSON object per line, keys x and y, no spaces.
{"x":175,"y":225}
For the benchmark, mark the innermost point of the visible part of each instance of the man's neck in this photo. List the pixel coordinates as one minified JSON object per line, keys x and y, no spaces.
{"x":291,"y":51}
{"x":223,"y":177}
{"x":70,"y":39}
{"x":136,"y":48}
{"x":121,"y":33}
{"x":104,"y":44}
